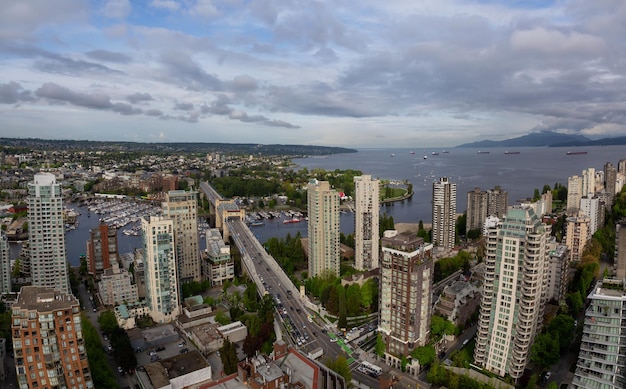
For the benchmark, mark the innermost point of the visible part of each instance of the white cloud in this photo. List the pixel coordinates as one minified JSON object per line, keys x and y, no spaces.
{"x":117,"y":9}
{"x":169,"y":5}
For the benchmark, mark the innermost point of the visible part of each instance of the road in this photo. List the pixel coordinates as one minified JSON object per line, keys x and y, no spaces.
{"x":127,"y":381}
{"x":303,"y":329}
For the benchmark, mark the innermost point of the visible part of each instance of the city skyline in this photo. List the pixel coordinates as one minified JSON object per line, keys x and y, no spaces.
{"x":357,"y":75}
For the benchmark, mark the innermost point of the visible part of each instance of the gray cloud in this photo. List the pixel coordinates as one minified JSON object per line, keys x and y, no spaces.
{"x":259,"y":119}
{"x":12,"y":92}
{"x":183,"y":69}
{"x":243,"y":83}
{"x":60,"y":94}
{"x":109,"y":56}
{"x":184,"y":106}
{"x":139,"y":97}
{"x":154,"y":112}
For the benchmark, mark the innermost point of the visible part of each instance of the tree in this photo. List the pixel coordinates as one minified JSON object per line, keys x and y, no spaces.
{"x":228,"y":355}
{"x":545,"y":350}
{"x":562,"y":327}
{"x":83,"y":266}
{"x":340,"y":366}
{"x":107,"y":321}
{"x":222,"y":318}
{"x":425,"y":355}
{"x":380,"y":346}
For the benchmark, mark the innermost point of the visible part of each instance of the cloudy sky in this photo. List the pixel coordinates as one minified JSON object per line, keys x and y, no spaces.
{"x":364,"y":73}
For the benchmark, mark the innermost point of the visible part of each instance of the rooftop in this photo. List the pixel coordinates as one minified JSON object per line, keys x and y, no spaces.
{"x":161,"y":372}
{"x":43,"y":299}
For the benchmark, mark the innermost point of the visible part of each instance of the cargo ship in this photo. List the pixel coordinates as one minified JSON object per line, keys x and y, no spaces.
{"x":511,"y":152}
{"x":483,"y":152}
{"x":576,"y":152}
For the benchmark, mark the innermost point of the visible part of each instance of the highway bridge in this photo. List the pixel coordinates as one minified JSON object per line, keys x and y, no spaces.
{"x":303,"y":329}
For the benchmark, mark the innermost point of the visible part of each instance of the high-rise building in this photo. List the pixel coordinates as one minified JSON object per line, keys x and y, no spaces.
{"x":444,"y":213}
{"x":602,"y":356}
{"x":574,"y":194}
{"x":48,"y":340}
{"x":576,"y":236}
{"x":323,"y":228}
{"x":5,"y":264}
{"x":593,"y":208}
{"x":620,"y":249}
{"x":514,"y":292}
{"x":101,"y":249}
{"x":48,"y":264}
{"x":182,"y":208}
{"x":406,"y":279}
{"x":366,"y":219}
{"x":482,"y":204}
{"x":589,"y":182}
{"x":610,"y":181}
{"x":162,"y":294}
{"x":477,"y":204}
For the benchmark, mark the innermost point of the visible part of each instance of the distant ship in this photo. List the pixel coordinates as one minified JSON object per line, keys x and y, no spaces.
{"x":483,"y":152}
{"x":393,"y":155}
{"x":425,"y":156}
{"x":445,"y":151}
{"x":412,"y":152}
{"x":434,"y":153}
{"x":576,"y":152}
{"x":511,"y":152}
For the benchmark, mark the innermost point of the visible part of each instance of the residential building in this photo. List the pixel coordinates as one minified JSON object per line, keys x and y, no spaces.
{"x":366,"y":220}
{"x":477,"y":204}
{"x":101,"y":249}
{"x":219,"y":266}
{"x":48,"y":265}
{"x":116,"y":286}
{"x":620,"y":249}
{"x":514,"y":292}
{"x":444,"y":213}
{"x":458,"y":301}
{"x":610,"y":181}
{"x":182,"y":208}
{"x":558,"y":271}
{"x":323,"y":228}
{"x":406,"y":279}
{"x":178,"y":372}
{"x":5,"y":264}
{"x":498,"y":202}
{"x":48,"y":340}
{"x":162,"y":294}
{"x":593,"y":208}
{"x":602,"y":356}
{"x":576,"y":236}
{"x":574,"y":194}
{"x":588,"y":182}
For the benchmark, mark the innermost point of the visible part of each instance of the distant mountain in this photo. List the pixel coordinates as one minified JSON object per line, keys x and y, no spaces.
{"x":617,"y":141}
{"x":536,"y":139}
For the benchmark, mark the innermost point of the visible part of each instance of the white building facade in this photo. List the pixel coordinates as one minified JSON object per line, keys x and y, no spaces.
{"x":514,"y":292}
{"x":323,"y":228}
{"x":366,"y":222}
{"x":444,"y":213}
{"x":162,"y":293}
{"x":48,"y":263}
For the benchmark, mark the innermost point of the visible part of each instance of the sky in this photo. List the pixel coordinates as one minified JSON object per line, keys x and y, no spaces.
{"x":352,"y":73}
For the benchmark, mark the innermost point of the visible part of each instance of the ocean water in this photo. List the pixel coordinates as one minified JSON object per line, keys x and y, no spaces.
{"x":519,"y":174}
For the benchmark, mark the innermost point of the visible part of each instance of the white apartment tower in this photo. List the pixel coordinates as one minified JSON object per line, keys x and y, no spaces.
{"x":593,"y":208}
{"x":182,"y":208}
{"x":161,"y":267}
{"x":602,"y":356}
{"x":589,"y":182}
{"x":48,"y":262}
{"x":323,"y":228}
{"x":514,"y":292}
{"x":5,"y":264}
{"x":574,"y":194}
{"x":444,"y":213}
{"x":366,"y":218}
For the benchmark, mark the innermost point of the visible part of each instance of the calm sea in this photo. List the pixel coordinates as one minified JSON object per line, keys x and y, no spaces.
{"x":519,"y":174}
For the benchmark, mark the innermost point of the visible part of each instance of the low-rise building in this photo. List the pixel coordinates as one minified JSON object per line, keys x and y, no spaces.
{"x":458,"y":302}
{"x":177,"y":372}
{"x":218,"y":265}
{"x":116,"y":286}
{"x":234,"y":332}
